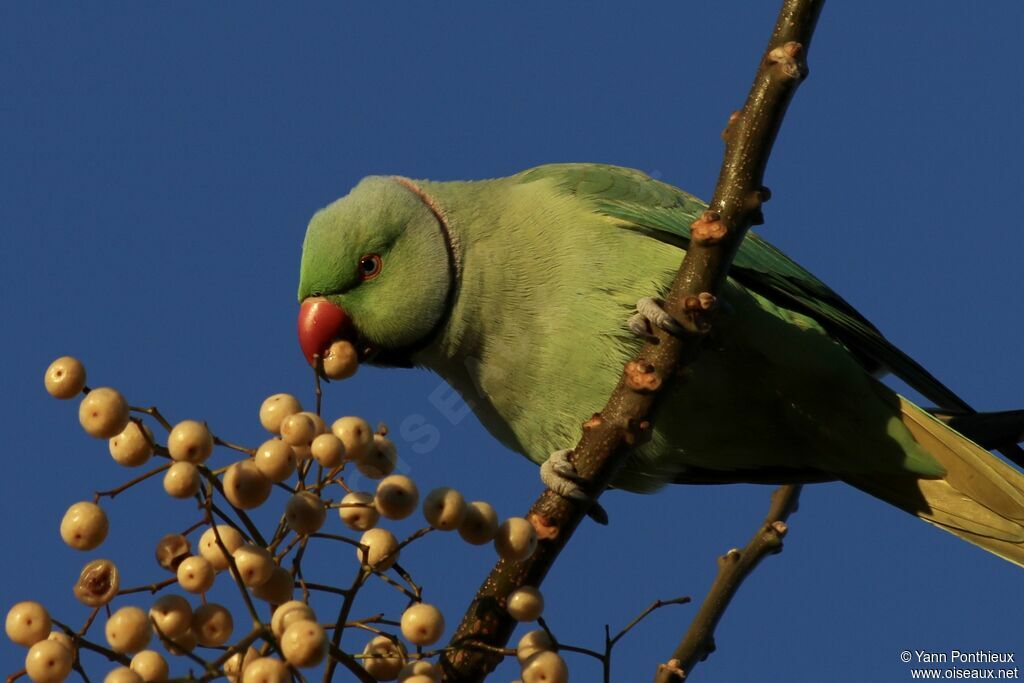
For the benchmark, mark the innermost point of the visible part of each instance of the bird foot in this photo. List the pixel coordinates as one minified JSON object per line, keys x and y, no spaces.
{"x":559,"y":474}
{"x":650,"y":313}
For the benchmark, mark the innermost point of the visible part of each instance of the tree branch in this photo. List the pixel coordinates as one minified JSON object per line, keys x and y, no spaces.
{"x":733,"y":568}
{"x":607,"y":437}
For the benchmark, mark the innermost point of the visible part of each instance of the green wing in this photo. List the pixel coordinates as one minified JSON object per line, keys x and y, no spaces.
{"x":665,"y":213}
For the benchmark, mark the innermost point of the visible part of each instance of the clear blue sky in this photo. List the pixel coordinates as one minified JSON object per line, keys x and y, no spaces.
{"x":160,"y":163}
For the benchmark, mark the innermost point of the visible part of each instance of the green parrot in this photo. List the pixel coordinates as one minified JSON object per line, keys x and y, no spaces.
{"x":529,"y":293}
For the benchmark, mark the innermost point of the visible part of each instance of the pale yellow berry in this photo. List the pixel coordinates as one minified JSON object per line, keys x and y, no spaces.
{"x":65,"y":640}
{"x":65,"y":377}
{"x":182,"y":480}
{"x":422,"y":624}
{"x":98,"y":583}
{"x":246,"y":486}
{"x":190,"y":441}
{"x":266,"y":670}
{"x":305,"y":513}
{"x":299,"y":429}
{"x":356,"y":434}
{"x":444,"y":509}
{"x":358,"y":512}
{"x":103,"y":413}
{"x":278,"y":589}
{"x":533,"y":642}
{"x":525,"y":604}
{"x":128,"y":630}
{"x":122,"y":674}
{"x":420,"y":671}
{"x":196,"y":574}
{"x":341,"y":360}
{"x":545,"y":667}
{"x":276,"y":460}
{"x":382,"y":549}
{"x":516,"y":539}
{"x":480,"y":525}
{"x":304,"y":643}
{"x":255,"y":564}
{"x":171,"y":615}
{"x":396,"y":497}
{"x":212,"y":625}
{"x":133,"y":446}
{"x":288,"y":613}
{"x":27,"y":623}
{"x":209,"y":548}
{"x":48,"y":662}
{"x":238,"y":663}
{"x":275,"y":409}
{"x":380,"y":460}
{"x":84,"y":526}
{"x":328,"y":450}
{"x":171,"y":550}
{"x":150,"y":665}
{"x":384,"y":658}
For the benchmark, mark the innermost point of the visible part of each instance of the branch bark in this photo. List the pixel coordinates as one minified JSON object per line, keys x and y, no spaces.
{"x":608,"y":436}
{"x":733,"y":568}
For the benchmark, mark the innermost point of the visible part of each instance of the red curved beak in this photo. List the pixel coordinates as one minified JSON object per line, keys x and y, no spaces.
{"x":320,"y":323}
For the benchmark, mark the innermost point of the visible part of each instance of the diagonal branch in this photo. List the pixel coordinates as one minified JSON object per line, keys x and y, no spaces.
{"x":716,"y":236}
{"x":733,"y":568}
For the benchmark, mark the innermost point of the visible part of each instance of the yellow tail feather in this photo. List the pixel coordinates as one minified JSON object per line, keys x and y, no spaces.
{"x":980,"y":499}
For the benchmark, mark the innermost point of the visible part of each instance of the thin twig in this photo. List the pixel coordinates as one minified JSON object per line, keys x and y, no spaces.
{"x":154,"y":413}
{"x":127,"y":485}
{"x":149,"y":588}
{"x":733,"y":568}
{"x":233,"y":446}
{"x":346,"y":608}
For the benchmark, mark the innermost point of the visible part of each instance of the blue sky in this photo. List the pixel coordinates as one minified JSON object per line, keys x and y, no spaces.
{"x":160,"y":163}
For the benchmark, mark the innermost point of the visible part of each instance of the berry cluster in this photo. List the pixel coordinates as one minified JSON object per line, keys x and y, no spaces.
{"x":307,"y":459}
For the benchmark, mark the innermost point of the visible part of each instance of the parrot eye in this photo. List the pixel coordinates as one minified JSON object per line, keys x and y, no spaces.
{"x":369,"y":266}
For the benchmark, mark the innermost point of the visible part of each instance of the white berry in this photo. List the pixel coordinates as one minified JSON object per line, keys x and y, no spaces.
{"x":275,"y":408}
{"x":525,"y":604}
{"x":196,"y":574}
{"x":65,"y":378}
{"x":444,"y":508}
{"x":48,"y":662}
{"x":358,"y":512}
{"x":382,"y":549}
{"x":209,"y":548}
{"x":516,"y":539}
{"x":190,"y":441}
{"x":304,"y":643}
{"x":128,"y":630}
{"x":84,"y":526}
{"x":480,"y":525}
{"x":133,"y":446}
{"x":396,"y":497}
{"x":422,"y":624}
{"x":182,"y":480}
{"x":103,"y":413}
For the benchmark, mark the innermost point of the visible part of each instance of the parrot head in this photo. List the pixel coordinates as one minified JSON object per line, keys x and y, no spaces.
{"x":377,"y":271}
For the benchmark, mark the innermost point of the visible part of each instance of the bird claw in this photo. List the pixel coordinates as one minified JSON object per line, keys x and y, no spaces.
{"x":650,"y":314}
{"x":560,"y":475}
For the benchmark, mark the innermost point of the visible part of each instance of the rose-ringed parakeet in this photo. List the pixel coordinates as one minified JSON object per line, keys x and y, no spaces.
{"x":527,"y":294}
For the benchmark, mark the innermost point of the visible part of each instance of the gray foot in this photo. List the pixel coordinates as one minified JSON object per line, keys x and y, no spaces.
{"x":650,"y":314}
{"x":559,"y":475}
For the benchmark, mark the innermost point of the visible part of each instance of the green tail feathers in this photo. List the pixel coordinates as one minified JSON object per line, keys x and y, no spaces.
{"x":980,"y":498}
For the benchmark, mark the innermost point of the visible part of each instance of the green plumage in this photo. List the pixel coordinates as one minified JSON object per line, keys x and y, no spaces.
{"x":521,"y":290}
